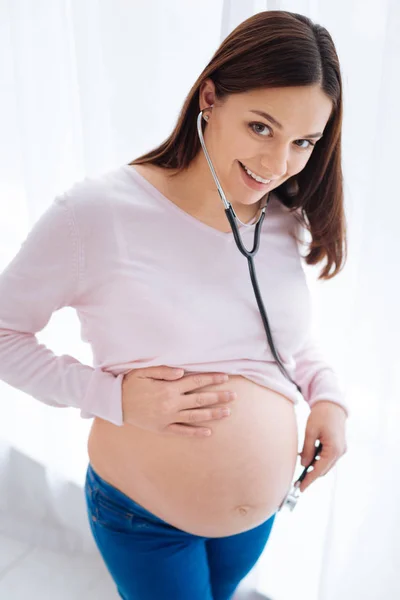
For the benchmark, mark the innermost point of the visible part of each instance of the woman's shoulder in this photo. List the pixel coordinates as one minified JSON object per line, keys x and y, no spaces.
{"x":92,"y":202}
{"x":96,"y":193}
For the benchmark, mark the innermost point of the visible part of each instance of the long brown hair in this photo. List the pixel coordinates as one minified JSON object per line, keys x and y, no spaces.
{"x":278,"y":48}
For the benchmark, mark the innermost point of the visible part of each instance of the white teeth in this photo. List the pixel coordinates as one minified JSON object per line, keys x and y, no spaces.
{"x":256,"y":177}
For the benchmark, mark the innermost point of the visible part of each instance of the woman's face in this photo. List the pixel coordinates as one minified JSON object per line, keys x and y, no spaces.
{"x":236,"y":134}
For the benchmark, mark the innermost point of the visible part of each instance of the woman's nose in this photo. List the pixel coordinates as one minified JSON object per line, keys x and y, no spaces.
{"x":275,"y":163}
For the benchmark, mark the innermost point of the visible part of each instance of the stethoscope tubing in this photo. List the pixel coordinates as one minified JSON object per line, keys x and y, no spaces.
{"x":291,"y":498}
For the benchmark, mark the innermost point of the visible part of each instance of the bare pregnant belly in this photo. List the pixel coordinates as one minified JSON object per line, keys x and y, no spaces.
{"x":214,"y":486}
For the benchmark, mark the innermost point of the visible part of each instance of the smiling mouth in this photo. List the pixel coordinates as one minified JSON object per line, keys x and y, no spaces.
{"x":245,"y":169}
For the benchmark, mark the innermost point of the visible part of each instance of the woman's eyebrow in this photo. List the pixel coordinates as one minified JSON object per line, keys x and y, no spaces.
{"x":261,"y":113}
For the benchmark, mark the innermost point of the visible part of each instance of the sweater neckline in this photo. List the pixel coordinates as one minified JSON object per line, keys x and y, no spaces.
{"x":158,"y":195}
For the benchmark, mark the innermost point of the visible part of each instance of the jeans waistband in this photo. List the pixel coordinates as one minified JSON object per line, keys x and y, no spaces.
{"x":97,"y":482}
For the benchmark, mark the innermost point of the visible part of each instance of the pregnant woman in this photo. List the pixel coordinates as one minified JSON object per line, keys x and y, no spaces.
{"x":194,"y":440}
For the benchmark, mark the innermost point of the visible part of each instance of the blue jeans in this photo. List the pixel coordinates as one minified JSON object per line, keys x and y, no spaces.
{"x":149,"y":559}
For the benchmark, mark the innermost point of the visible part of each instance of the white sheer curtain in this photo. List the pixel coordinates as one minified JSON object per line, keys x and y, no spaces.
{"x":86,"y":86}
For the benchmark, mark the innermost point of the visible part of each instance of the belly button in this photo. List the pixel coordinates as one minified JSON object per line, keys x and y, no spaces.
{"x":243,"y":510}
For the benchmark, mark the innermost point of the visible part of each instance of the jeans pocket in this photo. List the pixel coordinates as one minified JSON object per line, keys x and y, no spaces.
{"x":112,"y":514}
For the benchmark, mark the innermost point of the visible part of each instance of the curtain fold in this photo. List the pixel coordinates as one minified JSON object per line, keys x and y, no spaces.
{"x":86,"y":86}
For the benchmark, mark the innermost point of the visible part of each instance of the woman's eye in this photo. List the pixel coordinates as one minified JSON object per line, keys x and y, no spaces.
{"x":253,"y":126}
{"x":311,"y":144}
{"x":262,"y":125}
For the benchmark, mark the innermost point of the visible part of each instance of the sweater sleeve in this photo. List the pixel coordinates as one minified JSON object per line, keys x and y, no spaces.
{"x":316,"y":377}
{"x":44,"y":276}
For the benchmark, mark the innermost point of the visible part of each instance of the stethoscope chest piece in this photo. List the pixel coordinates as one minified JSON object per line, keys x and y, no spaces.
{"x":292,"y":497}
{"x":294,"y":494}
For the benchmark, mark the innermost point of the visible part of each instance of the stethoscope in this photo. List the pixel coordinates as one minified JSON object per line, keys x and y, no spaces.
{"x":293,"y":495}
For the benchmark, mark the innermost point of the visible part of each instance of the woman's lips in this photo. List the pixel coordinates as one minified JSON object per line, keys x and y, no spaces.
{"x":250,"y":182}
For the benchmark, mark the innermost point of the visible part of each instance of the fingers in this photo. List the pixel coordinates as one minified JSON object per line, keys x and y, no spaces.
{"x":198,"y":415}
{"x":308,"y":451}
{"x":313,"y":473}
{"x":206,"y":399}
{"x":187,"y":430}
{"x":322,"y":466}
{"x":161,"y":372}
{"x":189,"y":383}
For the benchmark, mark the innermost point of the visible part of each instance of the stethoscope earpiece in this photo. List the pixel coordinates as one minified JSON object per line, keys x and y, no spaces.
{"x":205,"y":117}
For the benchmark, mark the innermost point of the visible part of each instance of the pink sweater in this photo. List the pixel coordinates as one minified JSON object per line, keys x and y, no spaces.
{"x":153,"y":285}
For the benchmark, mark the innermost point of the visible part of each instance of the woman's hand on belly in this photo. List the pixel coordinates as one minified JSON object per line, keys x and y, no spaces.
{"x":163,"y":400}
